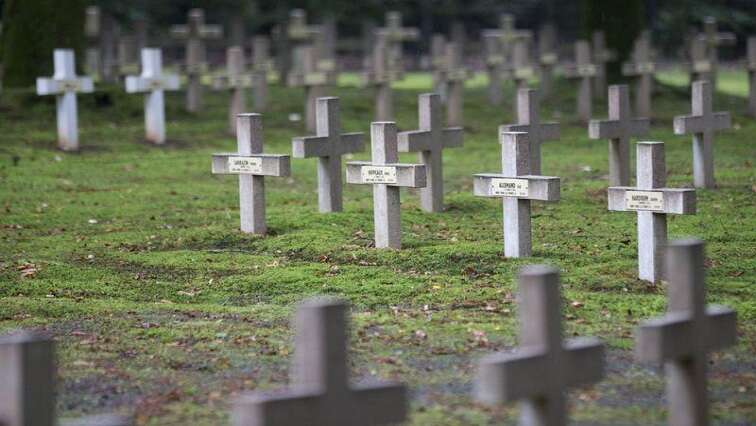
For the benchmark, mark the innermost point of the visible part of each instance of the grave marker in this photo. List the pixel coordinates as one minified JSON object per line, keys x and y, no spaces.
{"x":586,"y":72}
{"x":713,"y":39}
{"x":752,"y":76}
{"x":380,"y":75}
{"x":682,"y":338}
{"x":547,"y":58}
{"x":517,"y":186}
{"x":387,"y":176}
{"x":702,"y":124}
{"x":237,"y":81}
{"x":642,"y":68}
{"x":701,"y":67}
{"x":601,"y":56}
{"x":456,"y":74}
{"x":301,"y":37}
{"x":321,"y":393}
{"x":653,"y":202}
{"x":65,"y":84}
{"x":261,"y":67}
{"x":429,"y":142}
{"x":619,"y":128}
{"x":507,"y":34}
{"x":92,"y":32}
{"x":314,"y":82}
{"x":395,"y":35}
{"x":542,"y":354}
{"x":495,"y":67}
{"x":152,"y":82}
{"x":529,"y":121}
{"x":252,"y":166}
{"x":438,"y":65}
{"x":522,"y":68}
{"x":328,"y":146}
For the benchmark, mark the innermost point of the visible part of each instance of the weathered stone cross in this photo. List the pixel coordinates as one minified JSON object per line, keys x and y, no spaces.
{"x":618,"y":129}
{"x":642,"y":68}
{"x":547,"y":58}
{"x":387,"y":176}
{"x":92,"y":32}
{"x":65,"y":85}
{"x":380,"y":75}
{"x":429,"y":142}
{"x":713,"y":39}
{"x":438,"y":65}
{"x":586,"y":72}
{"x":237,"y":80}
{"x":522,"y":67}
{"x":252,"y":166}
{"x":653,"y":202}
{"x":261,"y":67}
{"x":456,"y":74}
{"x":301,"y":36}
{"x":543,"y":367}
{"x":682,"y":338}
{"x":195,"y":32}
{"x":313,"y":80}
{"x":321,"y":393}
{"x":751,"y":58}
{"x":701,"y":67}
{"x":517,"y":187}
{"x":495,"y":66}
{"x":507,"y":34}
{"x":328,"y":146}
{"x":702,"y":124}
{"x":529,"y":121}
{"x":601,"y":55}
{"x":153,"y":83}
{"x":395,"y":35}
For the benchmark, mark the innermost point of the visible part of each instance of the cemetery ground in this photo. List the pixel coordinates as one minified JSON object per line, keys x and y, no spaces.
{"x":131,"y":257}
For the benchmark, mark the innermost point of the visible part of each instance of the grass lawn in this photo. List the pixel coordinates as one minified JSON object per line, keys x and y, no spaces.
{"x":130,"y":256}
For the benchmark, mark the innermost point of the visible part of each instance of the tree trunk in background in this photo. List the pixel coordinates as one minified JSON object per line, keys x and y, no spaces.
{"x":621,"y":20}
{"x":31,"y":30}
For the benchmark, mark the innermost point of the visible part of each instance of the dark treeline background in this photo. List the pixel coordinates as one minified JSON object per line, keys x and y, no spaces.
{"x":32,"y":28}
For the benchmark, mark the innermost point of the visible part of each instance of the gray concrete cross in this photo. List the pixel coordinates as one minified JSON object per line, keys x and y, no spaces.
{"x":544,"y":366}
{"x":496,"y":66}
{"x":529,"y":121}
{"x":586,"y":71}
{"x":261,"y":67}
{"x":700,"y":67}
{"x":702,"y":124}
{"x":314,"y":81}
{"x":387,"y":176}
{"x":252,"y":166}
{"x":642,"y":68}
{"x":547,"y":57}
{"x":619,"y":128}
{"x":517,"y":186}
{"x":395,"y":35}
{"x":713,"y":39}
{"x":751,"y":58}
{"x":328,"y":146}
{"x":601,"y":56}
{"x":456,"y":74}
{"x":429,"y":142}
{"x":237,"y":80}
{"x":321,"y":394}
{"x":653,"y":202}
{"x":438,"y":61}
{"x":682,"y":338}
{"x":522,"y":66}
{"x":92,"y":28}
{"x":380,"y":74}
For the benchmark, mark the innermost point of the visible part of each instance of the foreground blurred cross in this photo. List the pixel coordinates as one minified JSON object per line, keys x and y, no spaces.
{"x":153,"y":83}
{"x":328,"y":146}
{"x":65,"y":85}
{"x":236,"y":80}
{"x":387,"y":176}
{"x":682,"y":338}
{"x":517,"y":187}
{"x":529,"y":121}
{"x":586,"y":72}
{"x":321,"y":394}
{"x":653,"y":202}
{"x":543,"y":367}
{"x":642,"y":68}
{"x":252,"y":166}
{"x":429,"y":142}
{"x":618,"y":129}
{"x":702,"y":124}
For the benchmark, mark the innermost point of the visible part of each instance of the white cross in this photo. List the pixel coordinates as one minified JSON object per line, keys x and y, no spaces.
{"x":682,"y":338}
{"x":65,"y":85}
{"x":543,"y":367}
{"x":529,"y":121}
{"x":429,"y":142}
{"x":618,"y":129}
{"x":586,"y":71}
{"x":321,"y":393}
{"x":380,"y":74}
{"x":237,"y":80}
{"x":642,"y":68}
{"x":328,"y":146}
{"x":387,"y":176}
{"x":653,"y":202}
{"x":517,"y":187}
{"x":751,"y":65}
{"x":252,"y":166}
{"x":153,"y":83}
{"x":702,"y":124}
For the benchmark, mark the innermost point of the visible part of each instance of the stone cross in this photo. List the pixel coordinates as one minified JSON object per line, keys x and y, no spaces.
{"x":395,"y":35}
{"x":619,"y":128}
{"x":380,"y":74}
{"x":752,"y":76}
{"x":586,"y":72}
{"x":529,"y":121}
{"x":429,"y":142}
{"x":701,"y":67}
{"x":507,"y":34}
{"x":456,"y":74}
{"x":328,"y":146}
{"x":65,"y":84}
{"x":301,"y":37}
{"x":495,"y":66}
{"x":313,"y":80}
{"x":522,"y":67}
{"x":702,"y":124}
{"x":238,"y":81}
{"x":252,"y":166}
{"x":653,"y":202}
{"x":92,"y":32}
{"x":547,"y":58}
{"x":557,"y":364}
{"x":517,"y":186}
{"x":681,"y":339}
{"x":601,"y":56}
{"x":195,"y":32}
{"x":152,"y":82}
{"x":438,"y":65}
{"x":642,"y":68}
{"x":261,"y":67}
{"x":387,"y":176}
{"x":713,"y":39}
{"x":321,"y":393}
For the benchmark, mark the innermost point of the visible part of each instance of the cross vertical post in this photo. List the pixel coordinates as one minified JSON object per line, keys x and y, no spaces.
{"x":456,"y":75}
{"x":601,"y":56}
{"x":642,"y":68}
{"x":713,"y":39}
{"x":27,"y":391}
{"x":751,"y":58}
{"x":495,"y":67}
{"x":529,"y":120}
{"x":586,"y":71}
{"x":547,"y":58}
{"x":261,"y":66}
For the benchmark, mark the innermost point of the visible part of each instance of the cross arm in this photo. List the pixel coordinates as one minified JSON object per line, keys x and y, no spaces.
{"x":414,"y":141}
{"x":309,"y":79}
{"x":52,"y":86}
{"x":138,"y":84}
{"x":379,"y":404}
{"x":221,"y":82}
{"x":407,"y":175}
{"x":263,"y":164}
{"x":547,"y":131}
{"x":578,"y":71}
{"x":632,"y":69}
{"x":509,"y":377}
{"x":539,"y":188}
{"x":609,"y":129}
{"x":584,"y":361}
{"x":351,"y":142}
{"x":685,"y":124}
{"x":668,"y":200}
{"x":291,"y":408}
{"x":452,"y":137}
